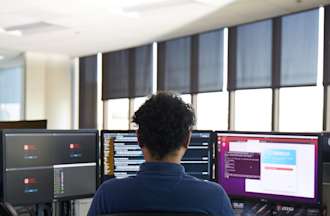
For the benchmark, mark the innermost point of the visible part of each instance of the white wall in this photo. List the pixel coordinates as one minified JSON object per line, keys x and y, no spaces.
{"x":48,"y":89}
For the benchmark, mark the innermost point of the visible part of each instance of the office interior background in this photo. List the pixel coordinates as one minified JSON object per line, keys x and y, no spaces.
{"x":245,"y":65}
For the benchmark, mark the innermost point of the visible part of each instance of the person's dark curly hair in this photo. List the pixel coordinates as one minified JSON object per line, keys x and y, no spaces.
{"x":164,"y":122}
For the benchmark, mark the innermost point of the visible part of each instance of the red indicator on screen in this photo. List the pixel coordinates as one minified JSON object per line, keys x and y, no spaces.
{"x":279,"y":168}
{"x":29,"y":181}
{"x":74,"y":146}
{"x":29,"y":147}
{"x":223,"y":139}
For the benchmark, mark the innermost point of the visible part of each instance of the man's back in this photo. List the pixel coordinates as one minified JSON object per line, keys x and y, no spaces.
{"x":161,"y":187}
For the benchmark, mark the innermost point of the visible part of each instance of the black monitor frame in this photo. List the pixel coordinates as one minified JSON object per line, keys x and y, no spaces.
{"x":211,"y":148}
{"x":319,"y":165}
{"x":325,"y":146}
{"x":211,"y":151}
{"x":3,"y":194}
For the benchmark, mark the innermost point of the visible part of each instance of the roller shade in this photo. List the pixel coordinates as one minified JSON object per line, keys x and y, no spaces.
{"x":250,"y":56}
{"x":191,"y":64}
{"x":174,"y":65}
{"x":299,"y":49}
{"x":210,"y":62}
{"x":127,"y":73}
{"x":88,"y":92}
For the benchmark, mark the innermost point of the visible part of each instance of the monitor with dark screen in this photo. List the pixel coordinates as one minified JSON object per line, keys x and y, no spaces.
{"x":279,"y":167}
{"x":122,"y":156}
{"x":42,"y":165}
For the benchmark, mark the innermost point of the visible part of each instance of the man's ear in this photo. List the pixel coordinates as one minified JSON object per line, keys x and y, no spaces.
{"x":138,"y":138}
{"x":186,"y":140}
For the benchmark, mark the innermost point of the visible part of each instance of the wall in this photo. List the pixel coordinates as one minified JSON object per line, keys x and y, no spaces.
{"x":48,"y":89}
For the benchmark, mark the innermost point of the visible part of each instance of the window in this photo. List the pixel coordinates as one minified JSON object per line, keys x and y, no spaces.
{"x":186,"y":98}
{"x":139,"y":102}
{"x":212,"y":111}
{"x":116,"y":117}
{"x":301,"y":109}
{"x":253,"y":110}
{"x":11,"y":93}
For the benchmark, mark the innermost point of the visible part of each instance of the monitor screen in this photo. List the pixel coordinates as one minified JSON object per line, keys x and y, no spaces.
{"x":122,"y":155}
{"x":279,"y":167}
{"x":72,"y":180}
{"x":42,"y":165}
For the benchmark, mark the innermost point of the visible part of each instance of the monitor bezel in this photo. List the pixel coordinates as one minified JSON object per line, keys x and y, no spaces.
{"x":276,"y":201}
{"x":29,"y":131}
{"x":211,"y":150}
{"x":325,"y":146}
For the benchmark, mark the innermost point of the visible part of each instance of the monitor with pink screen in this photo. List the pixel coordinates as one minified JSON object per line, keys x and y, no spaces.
{"x":277,"y":167}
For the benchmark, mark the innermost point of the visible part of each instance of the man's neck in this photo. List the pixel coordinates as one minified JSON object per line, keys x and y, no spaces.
{"x":174,"y":157}
{"x":164,"y":160}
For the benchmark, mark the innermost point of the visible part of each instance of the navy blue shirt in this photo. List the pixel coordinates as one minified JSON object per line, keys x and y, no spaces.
{"x":161,"y":187}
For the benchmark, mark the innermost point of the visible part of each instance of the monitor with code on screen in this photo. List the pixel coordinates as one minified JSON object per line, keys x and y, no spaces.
{"x":122,"y":156}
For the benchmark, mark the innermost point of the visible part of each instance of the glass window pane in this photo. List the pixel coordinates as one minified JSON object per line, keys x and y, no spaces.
{"x":212,"y":111}
{"x":11,"y":92}
{"x":253,"y":110}
{"x":139,"y":102}
{"x":301,"y":109}
{"x":186,"y":98}
{"x":117,"y":114}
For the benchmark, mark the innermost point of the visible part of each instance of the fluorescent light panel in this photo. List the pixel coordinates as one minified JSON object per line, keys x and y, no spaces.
{"x":11,"y":32}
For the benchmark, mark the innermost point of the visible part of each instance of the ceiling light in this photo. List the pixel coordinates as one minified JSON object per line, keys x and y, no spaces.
{"x":213,"y":2}
{"x":1,"y":57}
{"x":11,"y":32}
{"x":121,"y":12}
{"x":133,"y":3}
{"x":15,"y":33}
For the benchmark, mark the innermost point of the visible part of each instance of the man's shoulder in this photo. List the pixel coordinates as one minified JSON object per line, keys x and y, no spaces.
{"x":116,"y":184}
{"x":207,"y":186}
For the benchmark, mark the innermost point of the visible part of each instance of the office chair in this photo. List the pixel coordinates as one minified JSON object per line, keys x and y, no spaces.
{"x":156,"y":214}
{"x":7,"y":210}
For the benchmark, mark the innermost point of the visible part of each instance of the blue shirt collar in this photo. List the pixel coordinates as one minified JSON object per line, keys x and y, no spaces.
{"x":161,"y":168}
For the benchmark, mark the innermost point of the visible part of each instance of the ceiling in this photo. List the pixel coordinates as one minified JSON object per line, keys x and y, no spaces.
{"x":84,"y":27}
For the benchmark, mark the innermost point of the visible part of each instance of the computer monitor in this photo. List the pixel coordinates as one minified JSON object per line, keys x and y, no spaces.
{"x":121,"y":155}
{"x":39,"y":166}
{"x":280,"y":167}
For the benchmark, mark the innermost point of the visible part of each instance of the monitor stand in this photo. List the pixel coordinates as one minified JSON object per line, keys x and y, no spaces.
{"x":44,"y":209}
{"x":62,"y":208}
